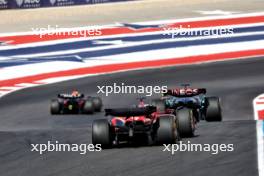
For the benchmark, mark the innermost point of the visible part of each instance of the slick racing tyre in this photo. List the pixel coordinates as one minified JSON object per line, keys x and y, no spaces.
{"x":55,"y":107}
{"x":167,"y":133}
{"x":88,"y":107}
{"x":186,"y":123}
{"x":97,"y":103}
{"x":213,"y":111}
{"x":160,"y":104}
{"x":101,"y":133}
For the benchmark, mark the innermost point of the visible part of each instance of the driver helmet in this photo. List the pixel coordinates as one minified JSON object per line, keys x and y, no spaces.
{"x":75,"y":93}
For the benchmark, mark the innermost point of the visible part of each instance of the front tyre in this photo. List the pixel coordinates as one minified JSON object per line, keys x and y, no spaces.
{"x":213,"y":110}
{"x":101,"y":133}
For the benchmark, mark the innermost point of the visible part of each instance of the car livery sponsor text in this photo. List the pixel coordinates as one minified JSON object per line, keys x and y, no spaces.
{"x":28,"y":3}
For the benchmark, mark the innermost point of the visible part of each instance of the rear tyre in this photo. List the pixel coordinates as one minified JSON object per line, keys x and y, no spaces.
{"x":101,"y":133}
{"x":213,"y":111}
{"x":97,"y":103}
{"x":55,"y":107}
{"x":160,"y":104}
{"x":88,"y":107}
{"x":167,"y":133}
{"x":186,"y":122}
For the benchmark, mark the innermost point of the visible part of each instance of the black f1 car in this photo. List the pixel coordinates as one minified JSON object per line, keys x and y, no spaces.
{"x":75,"y":104}
{"x":131,"y":125}
{"x":189,"y":105}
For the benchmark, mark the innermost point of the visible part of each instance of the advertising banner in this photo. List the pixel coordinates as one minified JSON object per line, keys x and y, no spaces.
{"x":4,"y":4}
{"x":24,"y":4}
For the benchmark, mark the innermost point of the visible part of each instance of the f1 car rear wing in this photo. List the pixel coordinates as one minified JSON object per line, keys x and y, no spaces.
{"x":70,"y":96}
{"x":128,"y":112}
{"x":185,"y":92}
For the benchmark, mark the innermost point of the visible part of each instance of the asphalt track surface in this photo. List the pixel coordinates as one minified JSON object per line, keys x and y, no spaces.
{"x":25,"y":119}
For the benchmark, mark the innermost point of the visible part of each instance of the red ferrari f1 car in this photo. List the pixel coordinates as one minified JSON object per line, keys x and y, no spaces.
{"x":141,"y":123}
